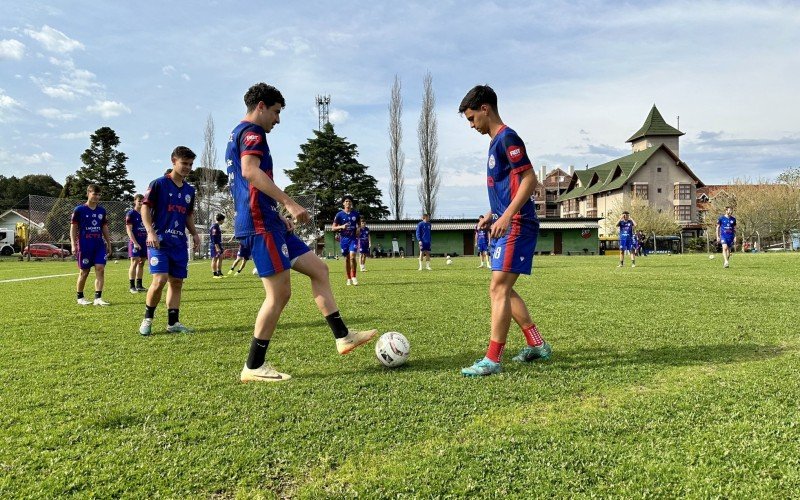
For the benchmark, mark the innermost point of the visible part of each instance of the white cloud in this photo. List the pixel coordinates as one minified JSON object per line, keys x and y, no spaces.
{"x":36,"y":158}
{"x":108,"y":109}
{"x":168,"y":70}
{"x":185,"y":77}
{"x":84,"y":134}
{"x":146,"y":136}
{"x":55,"y":114}
{"x":54,"y":40}
{"x":11,"y":49}
{"x":7,"y":105}
{"x":247,"y":50}
{"x":338,"y":116}
{"x":297,"y":45}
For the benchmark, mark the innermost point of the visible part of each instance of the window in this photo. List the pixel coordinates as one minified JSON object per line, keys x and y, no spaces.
{"x":683,"y":212}
{"x":659,"y":190}
{"x":640,"y":191}
{"x":683,"y":191}
{"x":658,"y":169}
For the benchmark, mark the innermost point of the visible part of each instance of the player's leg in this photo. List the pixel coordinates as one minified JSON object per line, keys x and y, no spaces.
{"x":140,"y":273}
{"x":178,"y":271}
{"x":428,"y":260}
{"x":99,"y":283}
{"x":537,"y":348}
{"x":159,"y":280}
{"x":632,"y":253}
{"x":353,"y":267}
{"x":83,"y":275}
{"x":500,"y":298}
{"x":278,"y":290}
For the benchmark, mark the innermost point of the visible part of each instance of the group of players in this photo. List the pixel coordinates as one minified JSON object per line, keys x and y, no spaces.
{"x":510,"y":226}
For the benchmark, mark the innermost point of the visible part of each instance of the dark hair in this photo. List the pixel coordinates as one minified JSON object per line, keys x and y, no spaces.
{"x":261,"y":92}
{"x":220,"y":217}
{"x":477,"y":97}
{"x":138,"y":197}
{"x":729,"y":207}
{"x":93,"y":188}
{"x":183,"y":153}
{"x":426,"y":215}
{"x":626,"y":213}
{"x":480,"y":216}
{"x":347,"y":197}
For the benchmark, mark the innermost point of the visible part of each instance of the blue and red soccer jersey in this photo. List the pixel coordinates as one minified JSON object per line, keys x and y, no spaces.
{"x":170,"y":206}
{"x":348,"y":234}
{"x":727,"y":229}
{"x":134,"y":219}
{"x":215,"y":239}
{"x":256,"y":213}
{"x":363,"y":240}
{"x":482,"y":239}
{"x":91,"y":249}
{"x":513,"y":252}
{"x":625,"y":234}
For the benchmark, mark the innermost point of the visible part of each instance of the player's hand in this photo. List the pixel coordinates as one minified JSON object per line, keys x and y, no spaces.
{"x":484,"y":223}
{"x":499,"y":227}
{"x":152,"y":240}
{"x":137,"y":246}
{"x":196,"y":240}
{"x":289,"y":224}
{"x":299,"y":214}
{"x":74,"y":249}
{"x":108,"y":252}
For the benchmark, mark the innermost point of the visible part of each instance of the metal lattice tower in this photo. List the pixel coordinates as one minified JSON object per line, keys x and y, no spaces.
{"x":323,"y":102}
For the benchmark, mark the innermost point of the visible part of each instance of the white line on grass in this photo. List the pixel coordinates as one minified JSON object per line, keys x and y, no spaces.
{"x":38,"y":277}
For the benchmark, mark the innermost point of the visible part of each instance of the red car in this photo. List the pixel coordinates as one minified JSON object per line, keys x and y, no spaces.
{"x":44,"y":250}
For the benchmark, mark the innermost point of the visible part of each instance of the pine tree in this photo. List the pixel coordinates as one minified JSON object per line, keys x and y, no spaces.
{"x":327,"y":166}
{"x":104,"y":165}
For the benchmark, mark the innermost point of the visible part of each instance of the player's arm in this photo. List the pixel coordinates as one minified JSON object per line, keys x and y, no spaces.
{"x":107,"y":237}
{"x":261,"y":181}
{"x":719,"y":236}
{"x":129,"y":230}
{"x":633,"y":224}
{"x":73,"y":236}
{"x":336,"y":226}
{"x":486,"y":221}
{"x":527,"y":185}
{"x":192,"y":229}
{"x":147,"y":220}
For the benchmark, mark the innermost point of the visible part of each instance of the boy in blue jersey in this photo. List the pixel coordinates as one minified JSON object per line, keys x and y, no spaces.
{"x":346,"y":223}
{"x":274,"y":246}
{"x":424,"y":241}
{"x":168,"y":216}
{"x":626,"y":236}
{"x":726,"y":233}
{"x":242,"y":256}
{"x":137,"y":244}
{"x":215,"y":246}
{"x":482,"y":242}
{"x":513,"y":227}
{"x":91,"y":243}
{"x":364,"y":244}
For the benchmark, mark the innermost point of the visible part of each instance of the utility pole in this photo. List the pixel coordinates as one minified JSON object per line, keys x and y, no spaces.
{"x":323,"y":103}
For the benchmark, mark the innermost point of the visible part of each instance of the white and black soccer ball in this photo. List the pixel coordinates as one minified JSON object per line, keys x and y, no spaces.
{"x":392,"y":349}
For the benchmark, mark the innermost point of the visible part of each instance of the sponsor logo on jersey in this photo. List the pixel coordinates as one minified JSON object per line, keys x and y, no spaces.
{"x":515,"y":153}
{"x":251,"y":139}
{"x":490,"y":181}
{"x":94,"y":222}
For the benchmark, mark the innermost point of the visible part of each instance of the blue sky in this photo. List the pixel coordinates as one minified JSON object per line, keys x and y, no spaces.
{"x":575,"y":79}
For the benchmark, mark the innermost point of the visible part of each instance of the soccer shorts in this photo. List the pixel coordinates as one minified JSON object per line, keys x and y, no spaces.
{"x":513,"y":253}
{"x":141,"y":253}
{"x":244,"y":251}
{"x":625,"y":244}
{"x":213,"y":250}
{"x":483,"y":247}
{"x":727,"y":240}
{"x":274,"y":251}
{"x":169,"y":260}
{"x":349,"y":245}
{"x":364,"y":247}
{"x":424,"y":246}
{"x":91,"y":254}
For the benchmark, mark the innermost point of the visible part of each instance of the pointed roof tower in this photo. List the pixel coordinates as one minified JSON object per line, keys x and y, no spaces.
{"x":655,"y":125}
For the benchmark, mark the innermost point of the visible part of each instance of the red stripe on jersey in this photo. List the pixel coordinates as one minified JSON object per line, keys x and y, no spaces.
{"x":508,"y":258}
{"x":255,"y":211}
{"x":274,"y":253}
{"x":252,"y":152}
{"x":514,"y":185}
{"x":500,"y":130}
{"x":521,"y":169}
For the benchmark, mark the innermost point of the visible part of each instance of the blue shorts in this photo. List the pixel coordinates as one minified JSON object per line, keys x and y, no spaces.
{"x":274,"y":251}
{"x":137,"y":254}
{"x":424,"y":246}
{"x":91,"y":254}
{"x":727,"y":240}
{"x":349,"y":245}
{"x":364,"y":247}
{"x":213,"y":250}
{"x":169,"y":260}
{"x":483,"y":247}
{"x":513,"y":253}
{"x":244,"y":251}
{"x":625,"y":244}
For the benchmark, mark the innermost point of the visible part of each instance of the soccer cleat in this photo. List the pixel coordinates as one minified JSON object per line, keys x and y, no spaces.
{"x":530,"y":354}
{"x":133,"y":290}
{"x":725,"y":265}
{"x":100,"y":302}
{"x":349,"y":282}
{"x":480,"y":266}
{"x":428,"y":268}
{"x":264,"y":373}
{"x":141,"y":289}
{"x":146,"y":327}
{"x":482,"y":367}
{"x":619,"y":265}
{"x":354,"y":339}
{"x":355,"y":281}
{"x":217,"y":276}
{"x":84,"y":301}
{"x":633,"y":265}
{"x":179,"y":328}
{"x":230,"y":273}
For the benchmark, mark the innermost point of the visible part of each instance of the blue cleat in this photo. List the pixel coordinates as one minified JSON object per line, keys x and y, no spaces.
{"x":482,"y":367}
{"x":530,"y":354}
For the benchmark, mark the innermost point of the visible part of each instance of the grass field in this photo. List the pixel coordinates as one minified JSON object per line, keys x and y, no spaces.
{"x":677,"y":378}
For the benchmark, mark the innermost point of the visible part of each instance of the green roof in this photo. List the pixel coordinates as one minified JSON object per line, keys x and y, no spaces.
{"x":655,"y":125}
{"x":627,"y":165}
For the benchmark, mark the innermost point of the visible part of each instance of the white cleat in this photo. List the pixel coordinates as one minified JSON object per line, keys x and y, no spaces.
{"x":428,"y":268}
{"x":633,"y":265}
{"x":100,"y":302}
{"x":725,"y":265}
{"x":146,"y":327}
{"x":349,"y":282}
{"x":83,"y":301}
{"x":354,"y":339}
{"x":264,"y":373}
{"x":133,"y":290}
{"x":354,"y":280}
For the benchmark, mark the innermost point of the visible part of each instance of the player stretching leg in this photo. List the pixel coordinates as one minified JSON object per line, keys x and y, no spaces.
{"x":168,"y":216}
{"x":511,"y":182}
{"x":275,"y":248}
{"x":91,"y":242}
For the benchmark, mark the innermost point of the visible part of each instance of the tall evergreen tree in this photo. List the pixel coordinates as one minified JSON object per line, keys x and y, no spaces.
{"x":327,"y":166}
{"x":104,"y":165}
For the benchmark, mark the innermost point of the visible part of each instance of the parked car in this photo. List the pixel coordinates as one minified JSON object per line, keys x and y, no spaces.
{"x":45,"y":250}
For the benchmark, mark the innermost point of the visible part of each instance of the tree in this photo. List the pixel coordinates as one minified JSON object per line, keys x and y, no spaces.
{"x":327,"y":166}
{"x":14,"y":192}
{"x":396,"y":156}
{"x":207,"y":179}
{"x":428,"y":187}
{"x":648,"y":219}
{"x":104,"y":165}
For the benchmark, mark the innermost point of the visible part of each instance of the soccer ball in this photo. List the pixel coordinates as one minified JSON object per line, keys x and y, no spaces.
{"x":392,"y":349}
{"x":255,"y":271}
{"x":449,"y":261}
{"x":711,"y":256}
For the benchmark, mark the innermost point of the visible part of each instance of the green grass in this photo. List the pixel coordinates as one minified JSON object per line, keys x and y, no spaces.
{"x":677,"y":378}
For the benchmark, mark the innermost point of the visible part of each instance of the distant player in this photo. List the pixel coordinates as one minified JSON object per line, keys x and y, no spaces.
{"x":626,"y":243}
{"x":137,"y":245}
{"x":726,"y":234}
{"x":91,"y":243}
{"x":346,"y":222}
{"x":513,"y":227}
{"x":275,"y":248}
{"x":424,"y":241}
{"x":168,"y":216}
{"x":242,"y":256}
{"x":482,"y":242}
{"x":215,"y":246}
{"x":364,"y":244}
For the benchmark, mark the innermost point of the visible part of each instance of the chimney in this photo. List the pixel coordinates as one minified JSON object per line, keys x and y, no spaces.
{"x":571,"y":170}
{"x":543,"y":173}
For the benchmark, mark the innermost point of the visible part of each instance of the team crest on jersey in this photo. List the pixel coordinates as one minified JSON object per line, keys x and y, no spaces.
{"x":251,"y":139}
{"x":85,"y":261}
{"x":176,"y":223}
{"x":285,"y":250}
{"x":153,"y":261}
{"x":492,"y":161}
{"x":188,"y":198}
{"x":100,"y":216}
{"x":515,"y":153}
